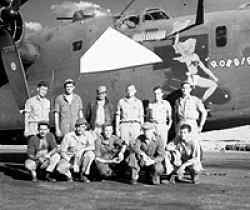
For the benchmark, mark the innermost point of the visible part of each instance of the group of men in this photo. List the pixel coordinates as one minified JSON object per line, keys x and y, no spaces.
{"x":108,"y":141}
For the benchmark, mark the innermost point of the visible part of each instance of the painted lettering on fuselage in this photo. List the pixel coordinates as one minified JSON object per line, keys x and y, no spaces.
{"x":230,"y":62}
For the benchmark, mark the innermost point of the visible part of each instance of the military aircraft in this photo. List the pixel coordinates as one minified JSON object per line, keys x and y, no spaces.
{"x":212,"y":51}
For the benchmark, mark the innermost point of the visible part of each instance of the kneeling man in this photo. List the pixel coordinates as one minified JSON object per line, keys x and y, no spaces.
{"x":77,"y":152}
{"x":109,"y":152}
{"x":190,"y":154}
{"x":147,"y":152}
{"x":42,"y":152}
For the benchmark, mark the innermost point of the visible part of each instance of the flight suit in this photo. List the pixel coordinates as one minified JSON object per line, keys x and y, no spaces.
{"x":68,"y":112}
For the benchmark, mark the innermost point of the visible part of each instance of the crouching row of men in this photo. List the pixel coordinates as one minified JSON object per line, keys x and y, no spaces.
{"x":80,"y":148}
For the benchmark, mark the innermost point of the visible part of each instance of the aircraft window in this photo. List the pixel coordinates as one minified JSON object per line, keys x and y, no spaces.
{"x":159,"y":16}
{"x":221,"y":36}
{"x":148,"y":17}
{"x":77,"y":45}
{"x":134,"y":19}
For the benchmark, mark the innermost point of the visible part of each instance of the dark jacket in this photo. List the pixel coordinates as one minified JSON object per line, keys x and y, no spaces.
{"x":34,"y":143}
{"x":91,"y":113}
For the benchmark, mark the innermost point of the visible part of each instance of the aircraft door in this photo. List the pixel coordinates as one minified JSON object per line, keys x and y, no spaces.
{"x":13,"y":68}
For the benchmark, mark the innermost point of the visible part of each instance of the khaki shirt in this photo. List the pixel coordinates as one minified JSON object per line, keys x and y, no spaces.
{"x":159,"y":112}
{"x":130,"y":110}
{"x":36,"y":109}
{"x":68,"y":112}
{"x":72,"y":143}
{"x":188,"y":108}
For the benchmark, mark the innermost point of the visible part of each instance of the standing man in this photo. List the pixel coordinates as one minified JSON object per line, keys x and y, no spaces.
{"x":77,"y":150}
{"x":109,"y":151}
{"x":68,"y":108}
{"x":160,"y":114}
{"x":37,"y":109}
{"x":148,"y":153}
{"x":100,"y":112}
{"x":129,"y":116}
{"x":189,"y":110}
{"x":42,"y":152}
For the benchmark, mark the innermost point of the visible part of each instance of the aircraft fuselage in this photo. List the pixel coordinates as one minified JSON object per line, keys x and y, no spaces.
{"x":222,"y":44}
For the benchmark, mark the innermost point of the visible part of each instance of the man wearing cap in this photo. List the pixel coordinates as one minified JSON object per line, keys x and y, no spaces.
{"x":147,"y":152}
{"x":37,"y":109}
{"x":68,"y":108}
{"x":189,"y":110}
{"x":100,"y":112}
{"x":42,"y":152}
{"x":109,"y":151}
{"x":77,"y":150}
{"x":160,"y":114}
{"x":129,"y":116}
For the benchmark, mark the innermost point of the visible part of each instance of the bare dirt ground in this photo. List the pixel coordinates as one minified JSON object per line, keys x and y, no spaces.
{"x":225,"y":184}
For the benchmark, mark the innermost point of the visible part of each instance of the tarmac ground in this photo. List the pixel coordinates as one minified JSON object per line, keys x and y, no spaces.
{"x":225,"y":184}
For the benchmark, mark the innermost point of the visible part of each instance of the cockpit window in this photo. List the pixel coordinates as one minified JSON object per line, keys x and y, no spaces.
{"x":159,"y":15}
{"x":155,"y":14}
{"x":221,"y":36}
{"x":148,"y":17}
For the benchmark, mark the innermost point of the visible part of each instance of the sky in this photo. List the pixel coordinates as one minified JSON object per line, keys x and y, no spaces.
{"x":40,"y":11}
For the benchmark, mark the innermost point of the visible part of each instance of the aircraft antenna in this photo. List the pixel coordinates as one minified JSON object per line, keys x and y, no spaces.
{"x":126,"y":7}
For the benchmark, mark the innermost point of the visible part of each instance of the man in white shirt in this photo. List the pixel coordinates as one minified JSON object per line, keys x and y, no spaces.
{"x":160,"y":114}
{"x":129,"y":116}
{"x":77,"y":149}
{"x":37,"y":109}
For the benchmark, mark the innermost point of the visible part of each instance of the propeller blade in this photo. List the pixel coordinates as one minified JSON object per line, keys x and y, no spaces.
{"x":13,"y":4}
{"x":14,"y":69}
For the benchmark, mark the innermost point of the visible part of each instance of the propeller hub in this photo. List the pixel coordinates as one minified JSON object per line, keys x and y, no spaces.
{"x":8,"y":14}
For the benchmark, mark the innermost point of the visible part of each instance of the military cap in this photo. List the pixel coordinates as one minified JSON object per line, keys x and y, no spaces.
{"x":81,"y":121}
{"x":101,"y":89}
{"x":43,"y":122}
{"x":69,"y":81}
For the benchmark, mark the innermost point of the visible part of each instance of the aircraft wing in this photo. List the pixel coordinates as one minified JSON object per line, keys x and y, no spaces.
{"x":113,"y":50}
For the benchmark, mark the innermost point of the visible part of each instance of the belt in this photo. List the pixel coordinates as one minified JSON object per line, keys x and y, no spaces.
{"x":156,"y":122}
{"x":130,"y":121}
{"x":188,"y":119}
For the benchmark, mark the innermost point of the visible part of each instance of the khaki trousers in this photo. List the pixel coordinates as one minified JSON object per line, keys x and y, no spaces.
{"x":32,"y":165}
{"x":130,"y":131}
